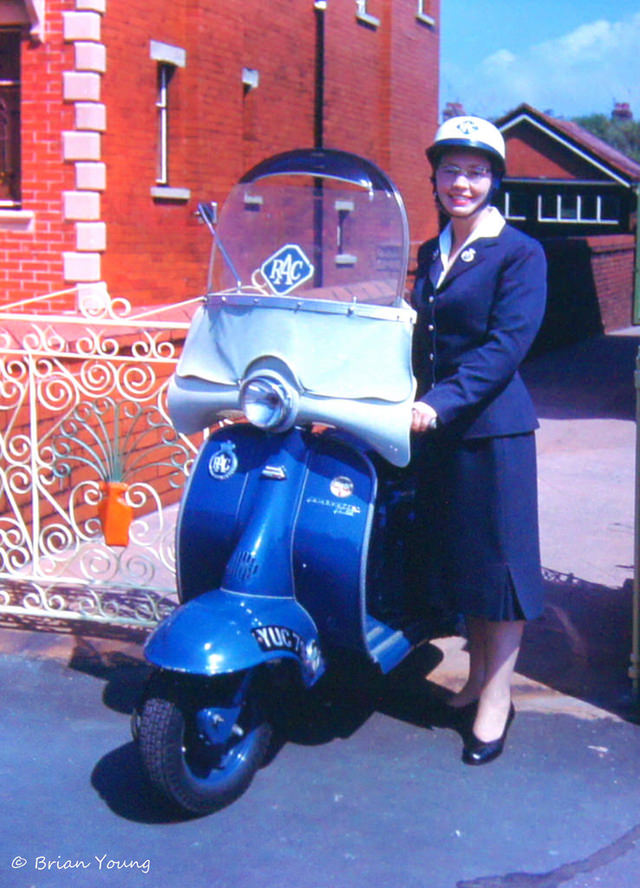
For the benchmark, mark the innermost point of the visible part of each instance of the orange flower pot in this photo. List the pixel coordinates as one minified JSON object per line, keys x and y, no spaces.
{"x":115,"y":513}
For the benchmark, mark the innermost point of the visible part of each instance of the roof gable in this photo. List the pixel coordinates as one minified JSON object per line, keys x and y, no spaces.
{"x":577,"y":141}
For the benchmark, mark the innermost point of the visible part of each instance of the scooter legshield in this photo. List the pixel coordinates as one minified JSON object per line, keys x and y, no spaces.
{"x":221,"y":631}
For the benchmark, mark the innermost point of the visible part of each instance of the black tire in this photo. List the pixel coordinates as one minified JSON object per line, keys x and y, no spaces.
{"x":192,"y":774}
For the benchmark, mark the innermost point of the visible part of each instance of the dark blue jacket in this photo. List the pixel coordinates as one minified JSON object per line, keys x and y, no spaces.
{"x":474,"y":331}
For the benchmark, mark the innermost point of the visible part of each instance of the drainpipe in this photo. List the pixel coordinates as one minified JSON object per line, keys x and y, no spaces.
{"x":320,"y":8}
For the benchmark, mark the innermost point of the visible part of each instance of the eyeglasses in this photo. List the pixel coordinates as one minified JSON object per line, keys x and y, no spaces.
{"x":472,"y":174}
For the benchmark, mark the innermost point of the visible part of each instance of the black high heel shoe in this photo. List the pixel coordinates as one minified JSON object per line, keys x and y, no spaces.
{"x":479,"y":752}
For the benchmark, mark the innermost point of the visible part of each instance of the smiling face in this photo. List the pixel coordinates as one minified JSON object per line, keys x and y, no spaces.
{"x":463,"y":182}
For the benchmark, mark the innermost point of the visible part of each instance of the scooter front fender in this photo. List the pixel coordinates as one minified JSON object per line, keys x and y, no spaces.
{"x":221,"y":631}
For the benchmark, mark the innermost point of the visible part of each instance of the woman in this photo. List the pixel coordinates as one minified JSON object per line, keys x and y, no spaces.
{"x":480,"y":295}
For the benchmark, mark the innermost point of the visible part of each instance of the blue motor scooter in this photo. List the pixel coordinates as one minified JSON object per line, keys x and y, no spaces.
{"x":292,"y":530}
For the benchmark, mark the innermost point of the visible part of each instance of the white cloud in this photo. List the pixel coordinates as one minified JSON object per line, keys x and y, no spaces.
{"x":581,"y":72}
{"x":591,"y":41}
{"x":500,"y":60}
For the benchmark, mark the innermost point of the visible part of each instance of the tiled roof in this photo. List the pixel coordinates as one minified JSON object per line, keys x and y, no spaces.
{"x":583,"y":139}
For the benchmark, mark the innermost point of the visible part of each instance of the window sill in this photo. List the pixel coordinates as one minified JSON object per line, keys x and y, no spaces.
{"x":17,"y":220}
{"x":550,"y":221}
{"x":346,"y":259}
{"x":370,"y":20}
{"x":175,"y":195}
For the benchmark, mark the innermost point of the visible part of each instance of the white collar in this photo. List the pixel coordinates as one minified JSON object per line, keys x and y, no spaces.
{"x":490,"y":225}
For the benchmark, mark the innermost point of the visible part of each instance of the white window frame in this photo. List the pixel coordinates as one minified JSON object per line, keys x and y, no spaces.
{"x":423,"y":16}
{"x":363,"y":15}
{"x":165,"y":72}
{"x":507,"y":210}
{"x":169,"y":58}
{"x":579,"y":218}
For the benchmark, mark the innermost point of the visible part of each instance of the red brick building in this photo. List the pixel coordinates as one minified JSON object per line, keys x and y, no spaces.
{"x":117,"y":116}
{"x":579,"y":196}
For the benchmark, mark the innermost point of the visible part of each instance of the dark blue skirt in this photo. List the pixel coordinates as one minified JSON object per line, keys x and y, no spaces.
{"x":477,"y":539}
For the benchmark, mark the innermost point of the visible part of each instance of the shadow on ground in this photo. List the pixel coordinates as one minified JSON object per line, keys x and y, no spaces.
{"x":591,"y":379}
{"x":581,"y":646}
{"x":335,"y":708}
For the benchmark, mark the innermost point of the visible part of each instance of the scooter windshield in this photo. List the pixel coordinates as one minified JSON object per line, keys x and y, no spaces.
{"x":311,"y":238}
{"x":305,"y":304}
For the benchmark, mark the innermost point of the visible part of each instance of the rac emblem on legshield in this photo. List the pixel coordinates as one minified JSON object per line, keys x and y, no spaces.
{"x":286,"y":269}
{"x":224,"y":462}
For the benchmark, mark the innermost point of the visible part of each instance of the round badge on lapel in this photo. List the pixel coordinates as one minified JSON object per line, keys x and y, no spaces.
{"x":468,"y":255}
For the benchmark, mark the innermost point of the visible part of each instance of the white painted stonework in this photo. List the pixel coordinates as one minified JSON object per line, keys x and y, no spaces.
{"x":83,"y":146}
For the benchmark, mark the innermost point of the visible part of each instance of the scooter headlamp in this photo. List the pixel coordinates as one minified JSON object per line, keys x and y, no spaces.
{"x":268,"y":402}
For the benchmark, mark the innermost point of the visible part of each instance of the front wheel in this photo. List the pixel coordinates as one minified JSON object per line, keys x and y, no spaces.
{"x":202,"y":740}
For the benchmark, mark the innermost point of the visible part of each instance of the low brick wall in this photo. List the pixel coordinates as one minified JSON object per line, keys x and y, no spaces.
{"x":612,"y":262}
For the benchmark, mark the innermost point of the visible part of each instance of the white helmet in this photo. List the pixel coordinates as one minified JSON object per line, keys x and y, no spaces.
{"x":469,"y":132}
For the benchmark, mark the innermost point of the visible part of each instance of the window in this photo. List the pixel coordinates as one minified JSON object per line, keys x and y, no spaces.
{"x":169,"y":59}
{"x":589,"y":207}
{"x":344,"y":208}
{"x":548,"y":207}
{"x":608,"y":208}
{"x":165,"y":72}
{"x":9,"y":118}
{"x":556,"y":206}
{"x":568,"y":207}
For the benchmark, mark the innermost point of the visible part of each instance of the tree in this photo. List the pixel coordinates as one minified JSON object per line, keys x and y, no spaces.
{"x":624,"y":135}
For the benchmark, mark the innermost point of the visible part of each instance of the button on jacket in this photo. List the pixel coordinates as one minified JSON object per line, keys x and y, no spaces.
{"x":475,"y":326}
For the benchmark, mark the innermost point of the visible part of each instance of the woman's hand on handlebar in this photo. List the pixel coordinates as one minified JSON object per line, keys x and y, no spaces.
{"x":423,"y":417}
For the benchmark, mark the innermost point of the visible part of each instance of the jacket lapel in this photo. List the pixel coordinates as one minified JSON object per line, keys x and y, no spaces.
{"x":467,"y":260}
{"x":435,"y":268}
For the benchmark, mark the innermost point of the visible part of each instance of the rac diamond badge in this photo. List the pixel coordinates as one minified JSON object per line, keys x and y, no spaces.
{"x":286,"y":269}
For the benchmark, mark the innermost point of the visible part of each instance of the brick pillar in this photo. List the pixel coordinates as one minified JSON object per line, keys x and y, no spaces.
{"x":82,"y":147}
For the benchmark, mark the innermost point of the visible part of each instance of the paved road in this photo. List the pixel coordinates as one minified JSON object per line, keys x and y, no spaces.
{"x":366,"y":798}
{"x":373,"y":794}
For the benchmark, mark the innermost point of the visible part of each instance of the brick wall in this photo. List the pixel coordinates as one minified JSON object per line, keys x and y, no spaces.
{"x":612,"y":262}
{"x":89,"y":124}
{"x":380,"y":101}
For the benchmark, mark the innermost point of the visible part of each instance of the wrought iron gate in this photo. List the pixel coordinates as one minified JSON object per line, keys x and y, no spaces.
{"x":90,"y":466}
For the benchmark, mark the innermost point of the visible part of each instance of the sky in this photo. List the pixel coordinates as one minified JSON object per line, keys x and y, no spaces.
{"x":567,"y":57}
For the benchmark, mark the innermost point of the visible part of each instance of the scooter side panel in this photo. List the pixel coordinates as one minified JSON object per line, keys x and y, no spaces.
{"x":215,"y":506}
{"x":331,"y":538}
